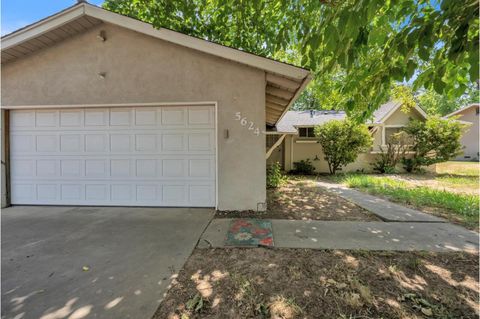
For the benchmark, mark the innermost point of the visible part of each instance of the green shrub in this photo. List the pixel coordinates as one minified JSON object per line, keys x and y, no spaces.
{"x":303,"y":167}
{"x":390,"y":155}
{"x":342,"y":141}
{"x":275,"y":178}
{"x":434,"y":141}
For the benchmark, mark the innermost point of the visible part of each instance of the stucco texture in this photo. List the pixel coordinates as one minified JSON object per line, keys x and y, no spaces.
{"x":470,"y":136}
{"x":142,"y":69}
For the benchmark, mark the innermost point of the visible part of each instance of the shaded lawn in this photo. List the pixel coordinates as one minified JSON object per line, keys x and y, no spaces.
{"x":301,"y":199}
{"x":287,"y":283}
{"x":458,"y":208}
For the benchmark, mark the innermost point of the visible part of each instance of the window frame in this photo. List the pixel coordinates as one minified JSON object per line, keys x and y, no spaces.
{"x":307,"y":129}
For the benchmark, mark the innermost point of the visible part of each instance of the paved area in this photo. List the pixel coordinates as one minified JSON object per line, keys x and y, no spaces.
{"x":129,"y":255}
{"x":357,"y":235}
{"x":384,"y":209}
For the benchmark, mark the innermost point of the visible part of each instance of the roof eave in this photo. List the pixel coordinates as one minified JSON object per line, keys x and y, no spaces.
{"x":202,"y":45}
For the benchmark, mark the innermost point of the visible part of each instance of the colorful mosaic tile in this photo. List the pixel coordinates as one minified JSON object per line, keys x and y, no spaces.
{"x":249,"y":232}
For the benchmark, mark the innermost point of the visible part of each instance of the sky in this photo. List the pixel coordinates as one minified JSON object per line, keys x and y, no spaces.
{"x":19,"y":13}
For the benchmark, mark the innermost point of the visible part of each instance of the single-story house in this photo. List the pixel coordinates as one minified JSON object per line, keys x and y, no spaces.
{"x":292,"y":139}
{"x":470,"y":138}
{"x":102,"y":109}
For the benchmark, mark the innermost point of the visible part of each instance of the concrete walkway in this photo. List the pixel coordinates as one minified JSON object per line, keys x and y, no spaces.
{"x":403,"y":229}
{"x":404,"y":236}
{"x":384,"y":209}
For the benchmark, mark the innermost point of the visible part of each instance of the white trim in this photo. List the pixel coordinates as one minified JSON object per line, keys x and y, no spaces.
{"x":383,"y":135}
{"x":291,"y":152}
{"x":277,"y":133}
{"x":462,"y":109}
{"x":399,"y":104}
{"x":61,"y":106}
{"x":202,"y":45}
{"x":422,"y":112}
{"x":215,"y":104}
{"x":394,"y":125}
{"x":306,"y":141}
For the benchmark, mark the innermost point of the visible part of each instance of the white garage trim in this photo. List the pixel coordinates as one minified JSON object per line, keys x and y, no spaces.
{"x":82,"y":106}
{"x":213,"y":106}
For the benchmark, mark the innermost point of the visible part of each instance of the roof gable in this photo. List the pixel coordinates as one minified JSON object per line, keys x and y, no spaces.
{"x":284,"y":82}
{"x":457,"y":112}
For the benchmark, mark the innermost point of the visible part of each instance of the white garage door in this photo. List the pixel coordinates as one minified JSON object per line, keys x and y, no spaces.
{"x":136,"y":156}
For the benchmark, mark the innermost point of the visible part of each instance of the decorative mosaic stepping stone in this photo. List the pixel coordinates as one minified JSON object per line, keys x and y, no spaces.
{"x":250,"y":232}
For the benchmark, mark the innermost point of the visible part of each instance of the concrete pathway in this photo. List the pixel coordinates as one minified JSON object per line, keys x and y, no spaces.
{"x":404,"y":236}
{"x":131,"y":254}
{"x":384,"y":209}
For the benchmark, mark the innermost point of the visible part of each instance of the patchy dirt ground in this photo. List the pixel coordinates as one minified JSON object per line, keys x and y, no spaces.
{"x":266,"y":283}
{"x":299,"y":198}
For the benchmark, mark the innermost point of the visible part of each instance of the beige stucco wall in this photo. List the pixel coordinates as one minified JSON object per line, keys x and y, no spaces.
{"x":143,"y":69}
{"x":470,"y":137}
{"x":302,"y":151}
{"x":401,"y":118}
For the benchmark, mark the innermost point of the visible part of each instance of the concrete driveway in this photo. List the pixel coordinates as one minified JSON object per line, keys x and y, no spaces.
{"x":92,"y":262}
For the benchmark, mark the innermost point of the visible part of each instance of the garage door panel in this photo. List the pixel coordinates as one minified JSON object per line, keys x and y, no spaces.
{"x":120,"y":193}
{"x":144,"y":156}
{"x":71,"y":118}
{"x":46,"y":119}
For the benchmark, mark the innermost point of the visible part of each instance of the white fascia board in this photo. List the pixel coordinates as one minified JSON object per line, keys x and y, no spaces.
{"x":416,"y":107}
{"x":197,"y":44}
{"x":386,"y":116}
{"x":422,"y":112}
{"x":461,"y":110}
{"x":42,"y":26}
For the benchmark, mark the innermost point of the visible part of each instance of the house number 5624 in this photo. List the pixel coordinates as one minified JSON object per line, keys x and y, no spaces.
{"x":246,"y":123}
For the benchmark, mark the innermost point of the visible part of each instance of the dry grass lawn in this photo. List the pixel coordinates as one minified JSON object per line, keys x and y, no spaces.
{"x":283,"y":283}
{"x":455,"y":177}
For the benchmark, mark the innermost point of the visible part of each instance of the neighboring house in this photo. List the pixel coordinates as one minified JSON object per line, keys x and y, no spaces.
{"x":103,"y":109}
{"x":470,"y":138}
{"x":294,"y":137}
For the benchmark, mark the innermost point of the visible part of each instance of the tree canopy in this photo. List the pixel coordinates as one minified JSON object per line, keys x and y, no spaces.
{"x":368,"y":44}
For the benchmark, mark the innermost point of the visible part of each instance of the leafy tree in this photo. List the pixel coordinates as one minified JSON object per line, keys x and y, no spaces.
{"x":432,"y":102}
{"x":436,"y":104}
{"x":373,"y":43}
{"x":434,"y":141}
{"x":323,"y":93}
{"x":342,"y":141}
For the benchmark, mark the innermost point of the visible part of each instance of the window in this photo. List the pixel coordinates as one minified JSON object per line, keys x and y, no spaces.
{"x":306,"y":132}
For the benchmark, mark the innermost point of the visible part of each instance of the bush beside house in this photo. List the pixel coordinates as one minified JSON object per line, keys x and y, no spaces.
{"x":342,"y":141}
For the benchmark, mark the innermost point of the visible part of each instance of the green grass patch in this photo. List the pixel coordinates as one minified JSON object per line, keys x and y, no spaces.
{"x":455,"y":180}
{"x":460,"y":207}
